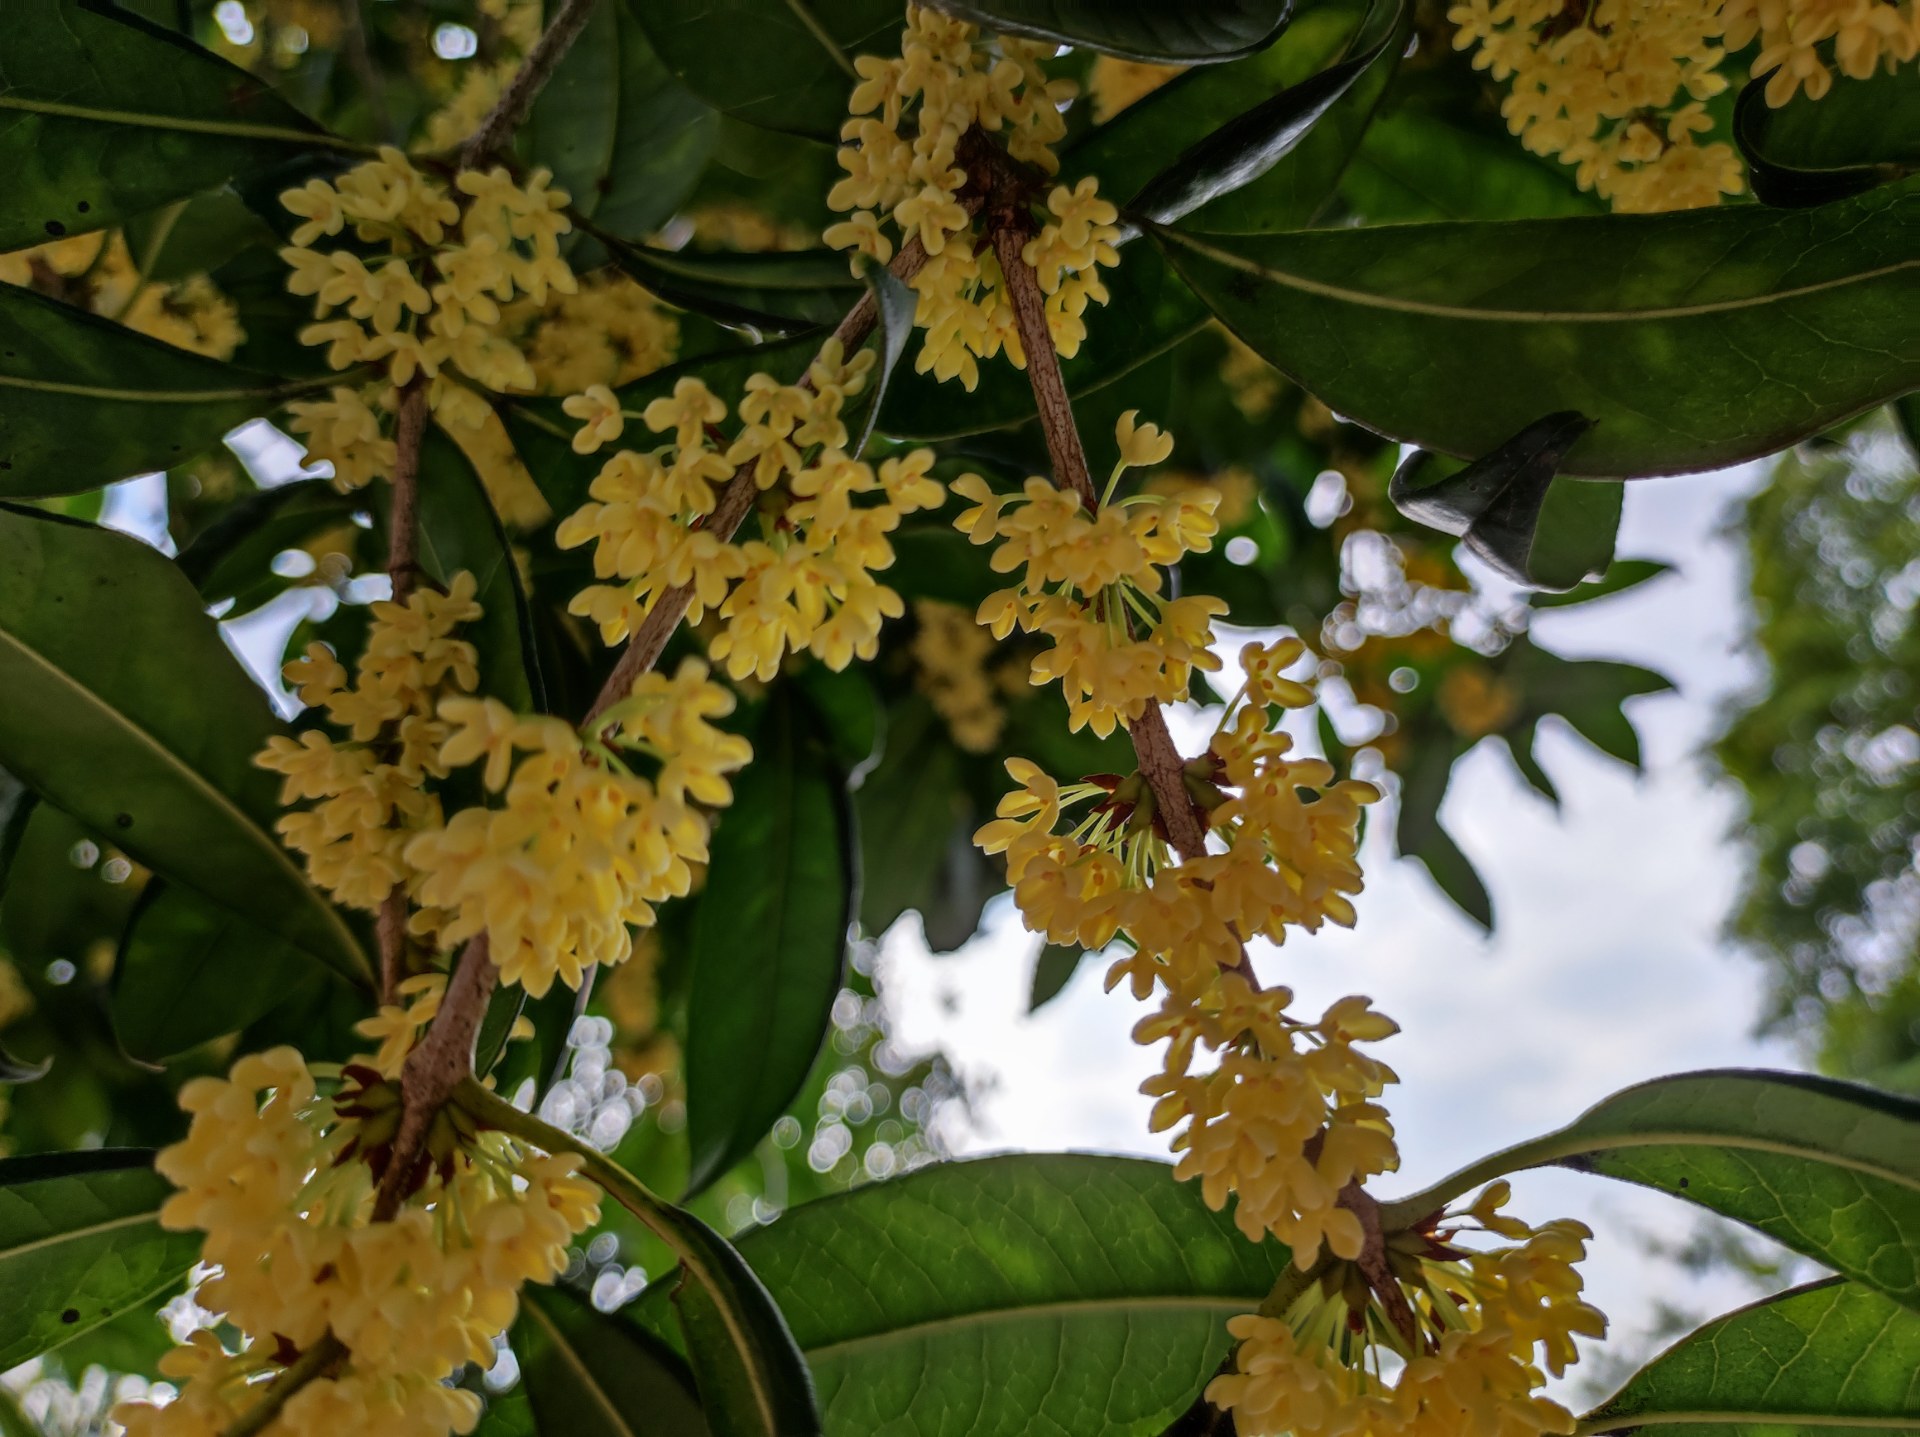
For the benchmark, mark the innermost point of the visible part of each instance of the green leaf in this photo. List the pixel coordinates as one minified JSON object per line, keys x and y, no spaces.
{"x":908,"y":806}
{"x":1419,"y":835}
{"x":1151,"y":311}
{"x":193,"y":236}
{"x":1057,"y":1293}
{"x":1829,"y":1356}
{"x":127,"y":709}
{"x":1587,"y":693}
{"x":1692,"y":340}
{"x":585,"y":1373}
{"x":85,"y":401}
{"x":625,"y":139}
{"x":1621,"y":575}
{"x":104,"y":115}
{"x":769,"y":942}
{"x":1539,"y":531}
{"x":894,"y":303}
{"x":459,"y":530}
{"x":1052,"y":971}
{"x":1828,"y":1169}
{"x":781,"y":64}
{"x":79,"y":1245}
{"x":1861,"y":134}
{"x":190,"y":971}
{"x":1196,"y":32}
{"x":778,"y":293}
{"x":231,"y":559}
{"x":1247,"y":147}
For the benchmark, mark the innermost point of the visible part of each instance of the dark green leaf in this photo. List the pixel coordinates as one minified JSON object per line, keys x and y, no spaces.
{"x":193,"y":236}
{"x":1052,"y":971}
{"x":1013,"y":1295}
{"x":1692,"y":340}
{"x":1587,"y":693}
{"x":625,"y":139}
{"x":1419,"y":835}
{"x":1196,"y":32}
{"x":231,"y":559}
{"x":782,"y":64}
{"x":908,"y":806}
{"x":79,"y":1245}
{"x":895,"y":305}
{"x":1151,"y":311}
{"x":104,"y":115}
{"x":778,"y":293}
{"x":85,"y":401}
{"x":590,"y":1374}
{"x":459,"y":530}
{"x":126,"y":708}
{"x":1830,"y":1356}
{"x":1828,"y":1169}
{"x":1621,"y":575}
{"x":1807,"y":152}
{"x":1520,"y":744}
{"x":1248,"y":146}
{"x":1538,"y":531}
{"x":769,"y":942}
{"x":190,"y":970}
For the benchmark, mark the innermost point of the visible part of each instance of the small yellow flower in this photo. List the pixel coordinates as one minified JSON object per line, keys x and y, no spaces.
{"x":601,"y":420}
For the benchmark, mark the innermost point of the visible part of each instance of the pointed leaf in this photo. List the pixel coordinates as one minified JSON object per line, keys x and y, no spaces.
{"x":1828,"y":1169}
{"x":1692,"y":340}
{"x":625,"y":139}
{"x":895,"y":304}
{"x":190,"y":970}
{"x":1587,"y":693}
{"x":1830,"y":1356}
{"x":80,"y":1244}
{"x":769,"y":943}
{"x":104,"y":115}
{"x":907,"y":806}
{"x":1621,"y":575}
{"x":585,"y":1373}
{"x":1252,"y":143}
{"x":1418,"y":834}
{"x":778,"y":293}
{"x":1196,"y":32}
{"x":1538,"y":530}
{"x":781,"y":64}
{"x":1807,"y":152}
{"x":85,"y":401}
{"x":1012,"y":1295}
{"x":1053,"y":969}
{"x":126,"y":708}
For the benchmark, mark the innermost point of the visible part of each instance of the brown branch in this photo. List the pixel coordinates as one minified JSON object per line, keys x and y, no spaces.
{"x":322,"y":1359}
{"x":525,"y":86}
{"x":736,"y":502}
{"x":390,"y":930}
{"x":403,"y":517}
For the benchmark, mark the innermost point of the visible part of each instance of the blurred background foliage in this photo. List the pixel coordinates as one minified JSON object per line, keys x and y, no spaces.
{"x":703,"y":184}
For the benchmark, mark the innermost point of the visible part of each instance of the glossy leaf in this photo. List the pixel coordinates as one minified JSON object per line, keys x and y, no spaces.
{"x":781,"y":64}
{"x":894,"y":303}
{"x":1692,"y":340}
{"x":1539,"y":531}
{"x":1013,"y":1294}
{"x":80,"y":1244}
{"x":625,"y":139}
{"x":1828,"y":1169}
{"x":769,"y":943}
{"x":585,"y":1373}
{"x":232,"y":558}
{"x":1151,"y":311}
{"x":126,"y":708}
{"x":85,"y":401}
{"x":1861,"y":134}
{"x":104,"y":115}
{"x":779,"y":293}
{"x":1829,"y":1356}
{"x":1195,"y":32}
{"x":1248,"y":146}
{"x":1621,"y":575}
{"x":460,"y":530}
{"x":908,"y":807}
{"x":190,"y":970}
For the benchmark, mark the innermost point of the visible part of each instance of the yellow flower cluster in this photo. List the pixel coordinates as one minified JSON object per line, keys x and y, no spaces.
{"x":431,"y":308}
{"x":1287,"y":1119}
{"x":807,"y":583}
{"x":1113,"y":83}
{"x":282,"y":1181}
{"x":609,"y":331}
{"x":98,"y":272}
{"x":369,"y":794}
{"x":581,"y":846}
{"x":946,"y":82}
{"x":1618,"y":88}
{"x":950,"y":657}
{"x":1484,"y":1322}
{"x":1093,"y":584}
